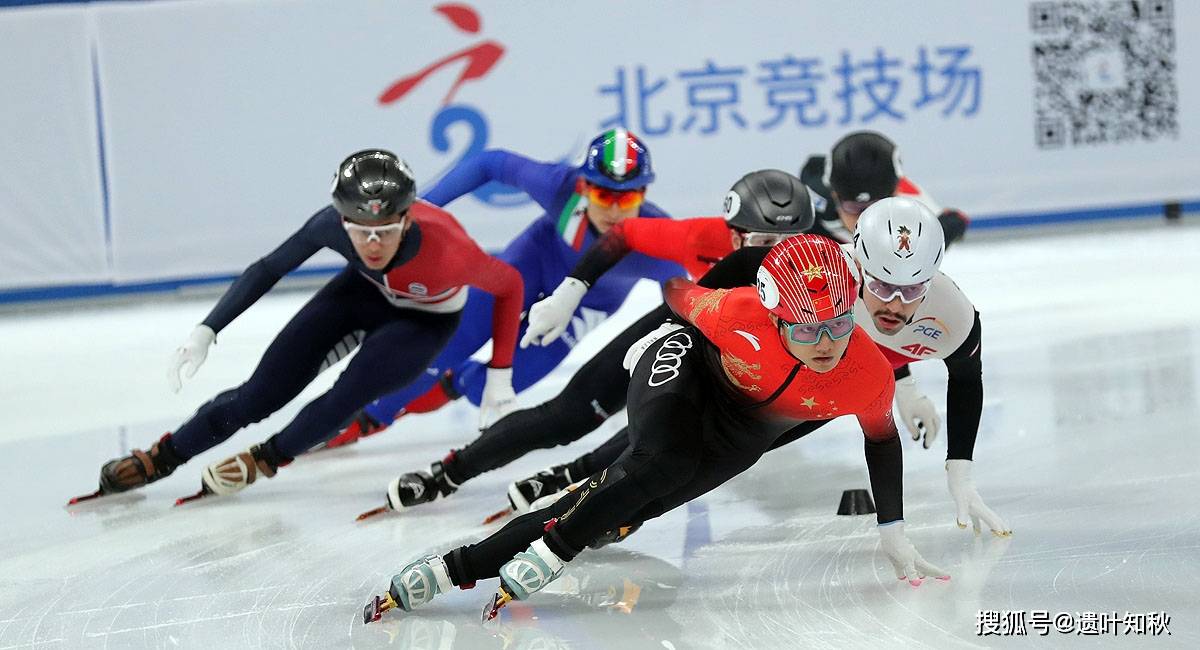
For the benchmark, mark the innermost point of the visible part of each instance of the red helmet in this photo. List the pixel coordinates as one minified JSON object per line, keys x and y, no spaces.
{"x":807,"y":279}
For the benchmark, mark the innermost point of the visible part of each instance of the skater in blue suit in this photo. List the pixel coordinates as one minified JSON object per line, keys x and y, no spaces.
{"x":581,"y":203}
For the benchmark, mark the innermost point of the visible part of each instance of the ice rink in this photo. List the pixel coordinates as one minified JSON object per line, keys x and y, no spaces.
{"x":1088,"y":447}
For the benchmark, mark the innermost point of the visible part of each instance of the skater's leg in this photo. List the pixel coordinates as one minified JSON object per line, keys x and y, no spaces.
{"x":288,"y":365}
{"x":473,"y":331}
{"x":391,"y":356}
{"x":594,"y":393}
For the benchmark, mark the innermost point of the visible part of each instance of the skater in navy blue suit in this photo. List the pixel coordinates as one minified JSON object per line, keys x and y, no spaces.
{"x":399,"y":298}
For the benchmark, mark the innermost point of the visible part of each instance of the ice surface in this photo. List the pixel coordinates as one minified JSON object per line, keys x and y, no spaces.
{"x":1088,"y":447}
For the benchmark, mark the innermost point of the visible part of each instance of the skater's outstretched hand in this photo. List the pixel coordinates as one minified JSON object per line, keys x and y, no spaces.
{"x":498,"y":397}
{"x":905,"y":559}
{"x":967,"y":501}
{"x":549,"y":318}
{"x":193,"y":352}
{"x":917,"y":411}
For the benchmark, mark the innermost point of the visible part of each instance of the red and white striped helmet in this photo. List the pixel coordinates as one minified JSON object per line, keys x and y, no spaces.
{"x":807,"y":279}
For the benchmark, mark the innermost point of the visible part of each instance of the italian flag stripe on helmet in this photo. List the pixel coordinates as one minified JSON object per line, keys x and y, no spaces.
{"x":619,"y":154}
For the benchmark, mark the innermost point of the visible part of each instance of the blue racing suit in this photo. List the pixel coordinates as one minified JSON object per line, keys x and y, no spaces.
{"x":544,"y":253}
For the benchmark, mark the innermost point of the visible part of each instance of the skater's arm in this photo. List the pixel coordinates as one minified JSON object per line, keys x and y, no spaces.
{"x":695,"y":304}
{"x":259,"y":277}
{"x":541,"y":181}
{"x":504,"y":282}
{"x":882,"y":446}
{"x":665,"y":239}
{"x":964,"y":395}
{"x":885,"y":464}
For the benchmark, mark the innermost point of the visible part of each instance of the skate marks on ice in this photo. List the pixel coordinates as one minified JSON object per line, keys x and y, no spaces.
{"x":250,"y":589}
{"x":823,"y":578}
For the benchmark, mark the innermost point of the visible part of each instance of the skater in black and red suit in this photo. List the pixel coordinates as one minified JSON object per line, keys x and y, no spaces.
{"x":761,"y":209}
{"x":706,"y":400}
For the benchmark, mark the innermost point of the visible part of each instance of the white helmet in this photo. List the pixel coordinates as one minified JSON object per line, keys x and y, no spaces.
{"x":899,"y":241}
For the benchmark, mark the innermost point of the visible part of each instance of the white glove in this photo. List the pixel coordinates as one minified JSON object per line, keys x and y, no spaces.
{"x":967,"y":502}
{"x":498,"y":397}
{"x":193,"y":352}
{"x":905,"y":559}
{"x":917,"y":411}
{"x":549,"y":318}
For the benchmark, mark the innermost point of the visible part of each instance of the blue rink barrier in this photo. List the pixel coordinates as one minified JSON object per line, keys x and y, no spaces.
{"x":990,"y":222}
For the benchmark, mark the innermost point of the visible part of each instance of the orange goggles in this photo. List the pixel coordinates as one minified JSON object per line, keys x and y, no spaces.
{"x":604,"y":198}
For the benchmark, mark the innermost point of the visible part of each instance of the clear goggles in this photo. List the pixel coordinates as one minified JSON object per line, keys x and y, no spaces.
{"x":360,"y":234}
{"x":762,"y":238}
{"x":810,"y":333}
{"x":885,"y":291}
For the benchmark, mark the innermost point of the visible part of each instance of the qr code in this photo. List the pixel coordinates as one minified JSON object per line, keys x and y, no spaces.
{"x":1104,"y":71}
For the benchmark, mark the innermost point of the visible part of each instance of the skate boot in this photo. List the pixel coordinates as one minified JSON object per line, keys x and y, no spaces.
{"x":419,"y":582}
{"x":233,"y":474}
{"x":614,"y":536}
{"x":415,"y":488}
{"x":523,"y":493}
{"x":135,"y":470}
{"x":361,"y":426}
{"x":524,"y":575}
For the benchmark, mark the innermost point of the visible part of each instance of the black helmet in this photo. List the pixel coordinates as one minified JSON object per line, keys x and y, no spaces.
{"x":373,"y":185}
{"x":769,"y":200}
{"x":863,"y":167}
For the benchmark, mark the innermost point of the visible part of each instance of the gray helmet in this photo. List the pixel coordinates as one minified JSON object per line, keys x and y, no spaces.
{"x":769,"y":200}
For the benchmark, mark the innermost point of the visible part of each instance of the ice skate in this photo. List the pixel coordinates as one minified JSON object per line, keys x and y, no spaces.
{"x":415,"y":585}
{"x":233,"y":474}
{"x":414,"y":489}
{"x":524,"y":575}
{"x":137,"y":469}
{"x":522,"y":494}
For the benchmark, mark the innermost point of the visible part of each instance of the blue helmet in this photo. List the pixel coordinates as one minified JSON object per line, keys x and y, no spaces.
{"x":618,"y":160}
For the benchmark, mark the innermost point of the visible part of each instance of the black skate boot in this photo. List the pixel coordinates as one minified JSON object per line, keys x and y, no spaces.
{"x":522,"y":494}
{"x":415,"y":488}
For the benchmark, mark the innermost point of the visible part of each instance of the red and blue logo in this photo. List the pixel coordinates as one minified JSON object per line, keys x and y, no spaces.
{"x":479,"y":60}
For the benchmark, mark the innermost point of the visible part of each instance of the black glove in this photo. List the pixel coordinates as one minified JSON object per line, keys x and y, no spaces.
{"x":954,"y":224}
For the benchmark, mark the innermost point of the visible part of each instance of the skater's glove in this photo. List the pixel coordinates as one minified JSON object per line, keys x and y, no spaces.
{"x":498,"y":397}
{"x":967,"y":502}
{"x":549,"y":318}
{"x":193,"y":352}
{"x":917,"y":411}
{"x":905,"y":559}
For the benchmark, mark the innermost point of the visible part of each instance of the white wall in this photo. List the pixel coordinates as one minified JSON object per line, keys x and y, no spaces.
{"x":223,"y":120}
{"x":51,"y":213}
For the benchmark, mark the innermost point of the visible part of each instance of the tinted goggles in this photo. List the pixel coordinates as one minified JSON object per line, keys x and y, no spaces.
{"x":810,"y":333}
{"x":604,"y":198}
